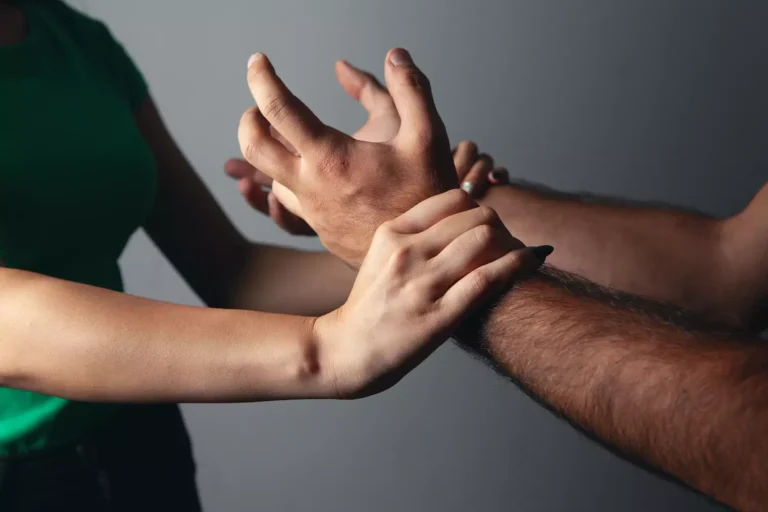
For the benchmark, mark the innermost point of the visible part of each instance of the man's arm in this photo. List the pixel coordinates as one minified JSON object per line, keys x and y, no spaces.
{"x":688,"y":400}
{"x":659,"y":253}
{"x":661,"y":387}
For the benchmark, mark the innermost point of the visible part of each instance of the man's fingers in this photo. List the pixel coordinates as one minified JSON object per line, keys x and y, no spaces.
{"x":285,"y":219}
{"x":263,"y":151}
{"x":475,"y":183}
{"x":280,"y":107}
{"x":238,"y":168}
{"x":254,"y":195}
{"x":364,"y":87}
{"x":261,"y":179}
{"x":432,"y":210}
{"x":412,"y":94}
{"x":282,"y":140}
{"x":484,"y":282}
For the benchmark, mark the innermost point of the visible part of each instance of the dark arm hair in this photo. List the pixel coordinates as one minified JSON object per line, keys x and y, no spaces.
{"x":657,"y":384}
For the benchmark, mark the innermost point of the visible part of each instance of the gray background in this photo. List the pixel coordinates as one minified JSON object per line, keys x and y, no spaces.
{"x":650,"y":99}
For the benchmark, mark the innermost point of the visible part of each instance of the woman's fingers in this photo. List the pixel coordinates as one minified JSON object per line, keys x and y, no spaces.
{"x":472,"y":249}
{"x":484,"y":282}
{"x":439,"y":236}
{"x":464,"y":157}
{"x":499,"y":176}
{"x":475,"y":183}
{"x":431,"y":211}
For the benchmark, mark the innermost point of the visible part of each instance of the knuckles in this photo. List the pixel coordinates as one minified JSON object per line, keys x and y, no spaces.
{"x":413,"y":77}
{"x":250,"y":135}
{"x":275,"y":109}
{"x":487,"y":215}
{"x":479,"y":282}
{"x":484,"y":235}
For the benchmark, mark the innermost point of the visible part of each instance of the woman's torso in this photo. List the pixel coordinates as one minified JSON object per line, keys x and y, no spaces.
{"x":76,"y":181}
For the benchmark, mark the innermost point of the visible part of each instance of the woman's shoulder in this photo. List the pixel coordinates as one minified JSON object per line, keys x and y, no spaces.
{"x":76,"y":22}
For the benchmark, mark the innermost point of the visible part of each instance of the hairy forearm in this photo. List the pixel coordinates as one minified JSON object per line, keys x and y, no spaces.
{"x":658,"y":253}
{"x":642,"y":378}
{"x":290,"y":281}
{"x":86,"y":343}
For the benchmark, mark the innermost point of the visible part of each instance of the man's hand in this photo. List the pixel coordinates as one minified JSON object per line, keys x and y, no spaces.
{"x":474,"y":170}
{"x":255,"y":187}
{"x":382,"y":125}
{"x":383,"y":120}
{"x":345,"y":188}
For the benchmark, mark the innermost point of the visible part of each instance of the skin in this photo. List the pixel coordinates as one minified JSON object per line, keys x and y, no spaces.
{"x":657,"y":253}
{"x":416,"y":285}
{"x":475,"y":171}
{"x":654,"y":382}
{"x":115,"y":347}
{"x":712,"y":266}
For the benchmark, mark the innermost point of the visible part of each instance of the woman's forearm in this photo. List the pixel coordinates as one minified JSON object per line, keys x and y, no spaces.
{"x":290,"y":281}
{"x":86,"y":343}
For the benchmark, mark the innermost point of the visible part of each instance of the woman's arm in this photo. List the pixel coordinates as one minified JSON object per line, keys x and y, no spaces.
{"x":414,"y":287}
{"x":220,"y":265}
{"x":86,"y":343}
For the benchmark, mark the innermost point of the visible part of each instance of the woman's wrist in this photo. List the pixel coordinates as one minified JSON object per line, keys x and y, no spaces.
{"x":334,"y":361}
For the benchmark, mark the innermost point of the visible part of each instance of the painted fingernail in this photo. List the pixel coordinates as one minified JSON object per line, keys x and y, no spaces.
{"x":254,"y":58}
{"x":542,"y":251}
{"x":498,"y":176}
{"x":467,"y":187}
{"x":400,"y":57}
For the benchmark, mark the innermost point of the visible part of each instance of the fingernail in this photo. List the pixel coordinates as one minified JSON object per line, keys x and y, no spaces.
{"x":498,"y":176}
{"x":400,"y":57}
{"x":542,"y":251}
{"x":467,"y":187}
{"x":254,"y":58}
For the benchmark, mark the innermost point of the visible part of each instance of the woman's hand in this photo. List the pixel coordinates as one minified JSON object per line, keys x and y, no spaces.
{"x":425,"y":271}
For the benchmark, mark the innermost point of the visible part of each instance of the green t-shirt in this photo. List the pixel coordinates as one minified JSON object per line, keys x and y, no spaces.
{"x":76,"y":181}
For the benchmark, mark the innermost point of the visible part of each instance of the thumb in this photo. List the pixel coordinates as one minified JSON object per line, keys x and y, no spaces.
{"x":412,"y":94}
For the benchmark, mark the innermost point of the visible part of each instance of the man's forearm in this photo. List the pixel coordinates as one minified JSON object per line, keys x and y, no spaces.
{"x":659,"y":253}
{"x":643,"y":378}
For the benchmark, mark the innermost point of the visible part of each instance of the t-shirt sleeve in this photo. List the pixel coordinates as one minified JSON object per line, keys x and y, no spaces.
{"x":98,"y":43}
{"x":122,"y":70}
